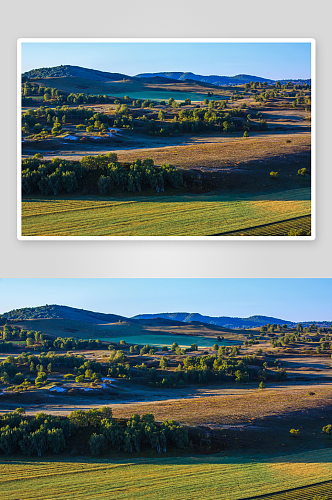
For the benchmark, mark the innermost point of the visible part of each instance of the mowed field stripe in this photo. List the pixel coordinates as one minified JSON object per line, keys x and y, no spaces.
{"x":212,"y":477}
{"x":322,"y":489}
{"x":164,"y":216}
{"x":280,"y":227}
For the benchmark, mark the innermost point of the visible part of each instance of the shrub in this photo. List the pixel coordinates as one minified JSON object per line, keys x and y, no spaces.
{"x":18,"y":378}
{"x":41,"y":379}
{"x":327,"y":429}
{"x":303,"y":172}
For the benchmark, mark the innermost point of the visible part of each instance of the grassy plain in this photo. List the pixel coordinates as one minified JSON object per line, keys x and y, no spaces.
{"x":222,"y":152}
{"x":73,"y":328}
{"x":198,"y":215}
{"x":229,"y":478}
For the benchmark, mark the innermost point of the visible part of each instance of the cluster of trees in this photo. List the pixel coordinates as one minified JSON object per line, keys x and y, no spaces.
{"x":58,"y":175}
{"x":39,"y":121}
{"x":69,"y":344}
{"x":48,"y":93}
{"x":43,"y":432}
{"x":273,"y":328}
{"x":204,"y":120}
{"x":123,"y":119}
{"x":33,"y":435}
{"x":299,"y":335}
{"x":9,"y":373}
{"x":212,"y":368}
{"x":138,"y":431}
{"x":56,"y":96}
{"x":140,"y":174}
{"x":50,"y":177}
{"x":33,"y":337}
{"x":82,"y":369}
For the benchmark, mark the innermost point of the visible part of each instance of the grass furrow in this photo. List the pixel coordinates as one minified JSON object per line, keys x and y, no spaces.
{"x":214,"y":477}
{"x":199,"y":215}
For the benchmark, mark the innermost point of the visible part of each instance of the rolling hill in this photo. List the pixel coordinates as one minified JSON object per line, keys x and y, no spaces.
{"x":63,"y":312}
{"x":75,"y":71}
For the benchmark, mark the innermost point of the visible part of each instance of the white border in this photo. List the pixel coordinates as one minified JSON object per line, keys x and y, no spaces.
{"x":312,"y":41}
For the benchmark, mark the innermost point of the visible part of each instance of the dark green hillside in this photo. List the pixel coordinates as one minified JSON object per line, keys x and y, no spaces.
{"x":63,"y":312}
{"x":77,"y":71}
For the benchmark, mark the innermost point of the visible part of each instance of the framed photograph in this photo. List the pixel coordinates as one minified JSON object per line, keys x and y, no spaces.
{"x":106,"y":395}
{"x":177,"y":139}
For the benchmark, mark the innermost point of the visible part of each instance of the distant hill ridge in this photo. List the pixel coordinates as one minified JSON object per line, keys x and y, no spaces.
{"x":227,"y":321}
{"x":161,"y":77}
{"x":55,"y":311}
{"x":219,"y":80}
{"x":213,"y":79}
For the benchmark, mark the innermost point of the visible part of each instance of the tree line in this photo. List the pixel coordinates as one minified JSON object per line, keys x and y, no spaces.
{"x":57,"y":175}
{"x":36,"y":435}
{"x":141,"y":174}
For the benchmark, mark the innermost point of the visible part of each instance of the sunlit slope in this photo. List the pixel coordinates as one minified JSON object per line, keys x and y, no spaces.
{"x":155,"y":479}
{"x":199,"y":215}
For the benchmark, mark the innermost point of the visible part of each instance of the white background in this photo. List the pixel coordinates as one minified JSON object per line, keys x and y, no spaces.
{"x":158,"y":18}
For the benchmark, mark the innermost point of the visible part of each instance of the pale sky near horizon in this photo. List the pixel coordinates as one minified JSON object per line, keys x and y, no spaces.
{"x":274,"y":61}
{"x":290,"y":299}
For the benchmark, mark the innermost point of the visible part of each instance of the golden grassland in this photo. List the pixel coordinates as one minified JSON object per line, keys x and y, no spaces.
{"x":192,"y":215}
{"x":231,"y":409}
{"x":228,"y":152}
{"x":194,"y":477}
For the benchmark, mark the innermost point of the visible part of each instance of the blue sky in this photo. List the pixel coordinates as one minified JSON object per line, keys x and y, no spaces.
{"x":285,"y":298}
{"x":267,"y":60}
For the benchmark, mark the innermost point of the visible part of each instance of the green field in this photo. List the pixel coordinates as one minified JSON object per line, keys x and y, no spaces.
{"x":192,"y":215}
{"x":161,"y":340}
{"x":164,"y":95}
{"x":194,"y":477}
